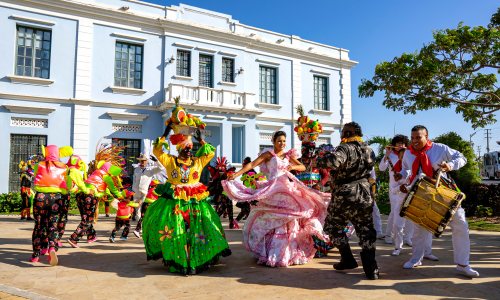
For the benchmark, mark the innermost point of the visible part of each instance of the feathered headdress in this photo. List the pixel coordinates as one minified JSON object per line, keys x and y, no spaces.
{"x":183,"y":124}
{"x":307,"y":129}
{"x":108,"y":153}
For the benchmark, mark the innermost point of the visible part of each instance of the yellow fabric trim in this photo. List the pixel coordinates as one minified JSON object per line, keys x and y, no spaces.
{"x":183,"y":196}
{"x":352,"y":139}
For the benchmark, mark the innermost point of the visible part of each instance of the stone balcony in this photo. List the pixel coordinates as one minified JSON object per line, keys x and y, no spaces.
{"x":210,"y":99}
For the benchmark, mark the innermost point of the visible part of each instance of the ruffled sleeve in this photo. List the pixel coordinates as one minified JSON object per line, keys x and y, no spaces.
{"x":292,"y":153}
{"x":205,"y":154}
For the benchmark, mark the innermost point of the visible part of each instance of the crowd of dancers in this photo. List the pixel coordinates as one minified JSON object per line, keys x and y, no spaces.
{"x":299,"y":206}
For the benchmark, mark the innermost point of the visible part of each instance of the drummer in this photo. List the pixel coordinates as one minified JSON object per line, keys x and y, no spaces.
{"x":426,"y":158}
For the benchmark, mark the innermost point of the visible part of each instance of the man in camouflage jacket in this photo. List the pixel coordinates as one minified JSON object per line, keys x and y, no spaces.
{"x":351,"y":163}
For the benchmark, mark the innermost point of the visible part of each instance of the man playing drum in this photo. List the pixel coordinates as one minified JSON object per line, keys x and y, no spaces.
{"x":425,"y":158}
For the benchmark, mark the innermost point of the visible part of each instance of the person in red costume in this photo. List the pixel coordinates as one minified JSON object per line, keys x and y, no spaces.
{"x":51,"y":191}
{"x":97,"y":184}
{"x":124,"y":210}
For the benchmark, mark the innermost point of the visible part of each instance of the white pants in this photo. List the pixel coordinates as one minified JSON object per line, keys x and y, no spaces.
{"x":404,"y":225}
{"x":459,"y":236}
{"x":377,"y":220}
{"x":402,"y":229}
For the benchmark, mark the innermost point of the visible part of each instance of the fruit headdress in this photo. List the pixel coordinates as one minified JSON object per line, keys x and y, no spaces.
{"x":183,"y":124}
{"x":307,"y":129}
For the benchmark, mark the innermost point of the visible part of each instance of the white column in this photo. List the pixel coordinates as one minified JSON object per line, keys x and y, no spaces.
{"x":297,"y":98}
{"x":345,"y":96}
{"x":83,"y":84}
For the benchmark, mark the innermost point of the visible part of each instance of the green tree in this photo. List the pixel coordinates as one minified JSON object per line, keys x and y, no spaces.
{"x":468,"y":174}
{"x":459,"y":68}
{"x":382,"y":142}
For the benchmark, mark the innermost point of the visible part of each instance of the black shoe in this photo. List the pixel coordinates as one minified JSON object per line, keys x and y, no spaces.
{"x":370,"y":264}
{"x":107,"y":215}
{"x":345,"y":265}
{"x":347,"y":260}
{"x":23,"y":218}
{"x":29,"y":219}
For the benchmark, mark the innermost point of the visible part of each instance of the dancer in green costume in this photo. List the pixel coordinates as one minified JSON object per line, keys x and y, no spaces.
{"x":181,"y":227}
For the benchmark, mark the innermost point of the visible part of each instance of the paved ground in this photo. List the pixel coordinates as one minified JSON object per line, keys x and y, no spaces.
{"x":109,"y":271}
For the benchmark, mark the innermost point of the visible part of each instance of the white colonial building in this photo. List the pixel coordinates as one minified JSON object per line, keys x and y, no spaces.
{"x":76,"y":71}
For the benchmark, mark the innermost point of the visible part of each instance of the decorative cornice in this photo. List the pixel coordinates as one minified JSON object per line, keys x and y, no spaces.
{"x":30,"y":80}
{"x":179,"y":45}
{"x":76,"y":101}
{"x":238,"y":119}
{"x":223,"y":53}
{"x":100,"y":12}
{"x":32,"y":20}
{"x":214,"y":117}
{"x":268,"y":105}
{"x":179,"y":77}
{"x":320,"y":112}
{"x":205,"y":50}
{"x":29,"y":110}
{"x":128,"y":37}
{"x":320,"y":73}
{"x":128,"y":91}
{"x":272,"y":119}
{"x":227,"y":83}
{"x":267,"y":62}
{"x":127,"y":116}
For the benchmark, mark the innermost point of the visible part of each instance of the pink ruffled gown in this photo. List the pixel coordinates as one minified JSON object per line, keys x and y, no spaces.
{"x":279,"y":230}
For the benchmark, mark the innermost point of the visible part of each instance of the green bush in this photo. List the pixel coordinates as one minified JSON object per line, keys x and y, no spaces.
{"x":481,"y":199}
{"x":10,"y":202}
{"x":383,"y":202}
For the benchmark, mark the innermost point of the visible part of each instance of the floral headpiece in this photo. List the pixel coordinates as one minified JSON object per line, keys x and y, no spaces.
{"x":183,"y":124}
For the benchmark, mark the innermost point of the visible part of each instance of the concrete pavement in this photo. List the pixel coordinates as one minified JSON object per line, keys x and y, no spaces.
{"x":108,"y":271}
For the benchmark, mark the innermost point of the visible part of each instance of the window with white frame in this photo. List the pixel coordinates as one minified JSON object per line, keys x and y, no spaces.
{"x":227,"y":69}
{"x":238,"y":144}
{"x":183,"y":63}
{"x":320,"y":92}
{"x":128,"y":65}
{"x":206,"y":70}
{"x":33,"y":52}
{"x":267,"y":86}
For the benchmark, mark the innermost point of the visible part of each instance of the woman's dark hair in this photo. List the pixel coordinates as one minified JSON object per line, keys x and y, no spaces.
{"x":277,"y":134}
{"x":399,"y":138}
{"x":356,"y":127}
{"x":247,"y":160}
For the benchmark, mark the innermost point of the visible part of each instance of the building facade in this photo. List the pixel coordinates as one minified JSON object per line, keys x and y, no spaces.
{"x":77,"y":72}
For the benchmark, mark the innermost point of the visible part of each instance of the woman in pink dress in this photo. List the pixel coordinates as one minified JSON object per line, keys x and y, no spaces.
{"x":279,"y":230}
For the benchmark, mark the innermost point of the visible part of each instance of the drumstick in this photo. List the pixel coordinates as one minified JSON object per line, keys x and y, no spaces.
{"x":440,"y":171}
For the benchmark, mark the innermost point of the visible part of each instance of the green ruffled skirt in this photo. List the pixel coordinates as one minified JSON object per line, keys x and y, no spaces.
{"x":187,"y":235}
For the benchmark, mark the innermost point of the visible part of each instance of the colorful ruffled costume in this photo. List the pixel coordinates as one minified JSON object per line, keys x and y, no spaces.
{"x":278,"y":230}
{"x":181,"y":227}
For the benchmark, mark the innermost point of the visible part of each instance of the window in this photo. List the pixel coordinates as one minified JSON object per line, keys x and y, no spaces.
{"x":128,"y":65}
{"x":206,"y":70}
{"x":238,"y":144}
{"x":33,"y":52}
{"x":268,"y":85}
{"x":227,"y":69}
{"x":131,"y":152}
{"x":22,"y":146}
{"x":320,"y":93}
{"x":183,"y":63}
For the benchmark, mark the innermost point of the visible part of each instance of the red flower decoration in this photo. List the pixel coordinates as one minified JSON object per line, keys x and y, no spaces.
{"x":195,"y":175}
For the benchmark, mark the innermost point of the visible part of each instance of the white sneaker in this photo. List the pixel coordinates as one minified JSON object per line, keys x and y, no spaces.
{"x":431,"y":257}
{"x":137,"y":233}
{"x":408,"y":243}
{"x":396,"y":252}
{"x":388,"y":239}
{"x":412,"y":264}
{"x":467,"y":271}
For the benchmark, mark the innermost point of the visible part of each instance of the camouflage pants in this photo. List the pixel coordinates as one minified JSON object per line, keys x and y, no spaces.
{"x":351,"y":202}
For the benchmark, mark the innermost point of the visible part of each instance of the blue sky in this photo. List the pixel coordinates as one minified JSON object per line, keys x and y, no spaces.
{"x":373,"y":31}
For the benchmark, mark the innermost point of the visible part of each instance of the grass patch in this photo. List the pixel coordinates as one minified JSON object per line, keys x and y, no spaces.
{"x":485,"y":224}
{"x":76,"y":212}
